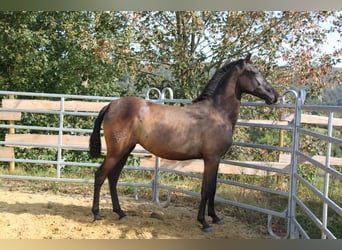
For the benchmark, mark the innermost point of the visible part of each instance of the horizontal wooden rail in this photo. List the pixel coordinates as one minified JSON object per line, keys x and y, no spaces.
{"x":197,"y":166}
{"x":314,"y":119}
{"x":52,"y":105}
{"x":78,"y":142}
{"x":10,"y":116}
{"x":334,"y":161}
{"x":6,"y":152}
{"x":74,"y":142}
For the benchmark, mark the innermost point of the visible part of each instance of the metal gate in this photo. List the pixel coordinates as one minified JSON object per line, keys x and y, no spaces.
{"x":66,"y":106}
{"x":330,"y":173}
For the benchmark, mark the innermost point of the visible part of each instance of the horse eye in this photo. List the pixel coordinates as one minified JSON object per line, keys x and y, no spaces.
{"x":259,"y":79}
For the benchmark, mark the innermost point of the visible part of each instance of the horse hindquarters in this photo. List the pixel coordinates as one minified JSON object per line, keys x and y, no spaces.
{"x":117,"y":126}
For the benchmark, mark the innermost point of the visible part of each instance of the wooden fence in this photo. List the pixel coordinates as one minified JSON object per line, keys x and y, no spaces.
{"x":74,"y":142}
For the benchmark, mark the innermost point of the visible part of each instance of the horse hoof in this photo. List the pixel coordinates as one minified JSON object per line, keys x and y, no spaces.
{"x":124,"y":217}
{"x":97,"y":217}
{"x":207,"y":230}
{"x":219,"y":222}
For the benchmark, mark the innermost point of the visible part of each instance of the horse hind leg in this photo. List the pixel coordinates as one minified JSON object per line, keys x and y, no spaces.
{"x":113,"y":178}
{"x":100,"y":176}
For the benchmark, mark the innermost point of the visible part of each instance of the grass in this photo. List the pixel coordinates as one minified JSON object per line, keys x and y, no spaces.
{"x":315,"y":204}
{"x":257,"y":198}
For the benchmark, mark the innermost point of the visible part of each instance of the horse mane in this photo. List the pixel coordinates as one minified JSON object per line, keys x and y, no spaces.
{"x":219,"y":77}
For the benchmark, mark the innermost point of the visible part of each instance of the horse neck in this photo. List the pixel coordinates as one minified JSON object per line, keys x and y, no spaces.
{"x":228,"y":100}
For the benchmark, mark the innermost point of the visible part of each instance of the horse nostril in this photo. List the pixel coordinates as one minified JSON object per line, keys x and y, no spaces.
{"x":276,"y":96}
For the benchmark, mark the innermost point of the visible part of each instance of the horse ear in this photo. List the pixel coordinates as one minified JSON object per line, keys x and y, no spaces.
{"x":248,"y":58}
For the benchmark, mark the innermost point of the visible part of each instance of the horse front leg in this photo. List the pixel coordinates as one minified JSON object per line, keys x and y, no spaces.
{"x":211,"y":205}
{"x":208,"y":193}
{"x":201,"y":213}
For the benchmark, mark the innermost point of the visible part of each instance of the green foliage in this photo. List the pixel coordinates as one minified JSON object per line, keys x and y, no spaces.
{"x":58,"y":52}
{"x":119,"y":53}
{"x":308,"y":171}
{"x":314,"y":203}
{"x":333,"y":96}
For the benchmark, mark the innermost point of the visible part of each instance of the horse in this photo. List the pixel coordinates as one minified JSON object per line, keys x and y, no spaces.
{"x":200,"y":130}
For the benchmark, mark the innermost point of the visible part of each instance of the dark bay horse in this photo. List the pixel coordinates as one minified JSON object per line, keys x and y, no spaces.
{"x":201,"y":130}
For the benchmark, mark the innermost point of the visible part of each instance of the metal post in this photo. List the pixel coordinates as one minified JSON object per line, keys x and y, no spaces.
{"x":60,"y":138}
{"x":147,"y":97}
{"x":300,"y":97}
{"x":11,"y":131}
{"x":294,"y":170}
{"x":294,"y":164}
{"x":156,"y":180}
{"x":327,"y":177}
{"x":156,"y":177}
{"x":169,"y":90}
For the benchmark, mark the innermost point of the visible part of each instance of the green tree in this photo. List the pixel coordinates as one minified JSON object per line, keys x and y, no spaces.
{"x":61,"y":52}
{"x":333,"y":96}
{"x":94,"y":52}
{"x":191,"y":44}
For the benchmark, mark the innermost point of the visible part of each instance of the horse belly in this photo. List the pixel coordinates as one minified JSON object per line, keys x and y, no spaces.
{"x":172,"y":149}
{"x":171,"y":143}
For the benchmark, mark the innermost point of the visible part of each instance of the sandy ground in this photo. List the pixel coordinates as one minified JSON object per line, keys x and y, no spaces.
{"x":44,"y":215}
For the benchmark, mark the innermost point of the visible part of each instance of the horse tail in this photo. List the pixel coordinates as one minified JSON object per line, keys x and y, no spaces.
{"x":95,"y":137}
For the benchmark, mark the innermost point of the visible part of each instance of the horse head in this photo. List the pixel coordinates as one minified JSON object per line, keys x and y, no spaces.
{"x":251,"y":81}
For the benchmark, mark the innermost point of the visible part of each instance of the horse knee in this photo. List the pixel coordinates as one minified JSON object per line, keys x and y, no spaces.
{"x":98,"y":174}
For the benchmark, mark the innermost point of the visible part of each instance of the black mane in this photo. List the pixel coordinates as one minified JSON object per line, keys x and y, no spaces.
{"x":220,"y":76}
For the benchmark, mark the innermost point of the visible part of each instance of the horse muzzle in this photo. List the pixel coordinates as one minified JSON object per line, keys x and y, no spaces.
{"x":272,"y":98}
